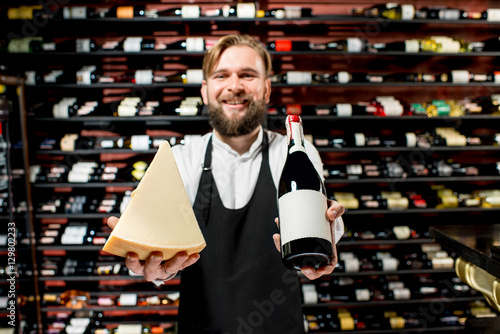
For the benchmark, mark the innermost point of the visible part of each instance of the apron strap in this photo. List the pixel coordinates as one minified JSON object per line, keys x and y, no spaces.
{"x":206,"y":185}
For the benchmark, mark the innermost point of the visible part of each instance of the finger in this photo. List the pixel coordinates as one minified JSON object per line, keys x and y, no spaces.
{"x":310,"y":273}
{"x":112,"y":221}
{"x":152,"y":267}
{"x":175,"y":264}
{"x":133,"y":264}
{"x":335,"y":210}
{"x":277,"y":241}
{"x":190,"y":261}
{"x":277,"y":221}
{"x":326,"y":270}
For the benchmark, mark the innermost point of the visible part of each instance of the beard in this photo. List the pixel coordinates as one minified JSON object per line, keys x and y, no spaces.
{"x":237,"y":126}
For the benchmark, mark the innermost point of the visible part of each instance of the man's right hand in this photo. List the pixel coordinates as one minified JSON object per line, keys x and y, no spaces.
{"x":153,"y":268}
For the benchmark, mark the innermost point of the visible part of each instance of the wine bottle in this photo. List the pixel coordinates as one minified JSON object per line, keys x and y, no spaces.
{"x":245,"y":10}
{"x":306,"y":239}
{"x":23,"y":45}
{"x":185,"y":12}
{"x":353,"y":44}
{"x":79,"y":13}
{"x":391,"y":11}
{"x":79,"y":45}
{"x":138,"y":44}
{"x":287,"y":12}
{"x":129,"y":12}
{"x":441,"y":13}
{"x":491,"y":14}
{"x":288,"y":45}
{"x":190,"y":44}
{"x":408,"y":46}
{"x":343,"y":77}
{"x":73,"y":107}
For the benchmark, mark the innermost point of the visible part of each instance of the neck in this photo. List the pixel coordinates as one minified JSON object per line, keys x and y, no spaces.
{"x":240,"y":144}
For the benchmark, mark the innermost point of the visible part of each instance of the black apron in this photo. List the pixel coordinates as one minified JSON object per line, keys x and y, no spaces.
{"x":239,"y":284}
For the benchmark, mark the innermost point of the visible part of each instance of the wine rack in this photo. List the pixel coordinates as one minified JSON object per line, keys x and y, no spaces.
{"x":439,"y":98}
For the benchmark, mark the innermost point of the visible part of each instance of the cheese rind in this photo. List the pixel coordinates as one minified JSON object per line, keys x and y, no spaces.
{"x":159,"y":216}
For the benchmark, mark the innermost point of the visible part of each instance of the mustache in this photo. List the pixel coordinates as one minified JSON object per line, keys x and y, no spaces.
{"x":235,"y":96}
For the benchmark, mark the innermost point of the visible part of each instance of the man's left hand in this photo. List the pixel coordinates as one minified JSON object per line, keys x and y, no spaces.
{"x":334,"y":211}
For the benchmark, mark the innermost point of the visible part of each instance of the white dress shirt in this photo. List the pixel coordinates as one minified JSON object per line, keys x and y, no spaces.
{"x":236,"y":175}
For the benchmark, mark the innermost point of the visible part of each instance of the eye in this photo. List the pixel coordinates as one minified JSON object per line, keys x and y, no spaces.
{"x":248,"y":75}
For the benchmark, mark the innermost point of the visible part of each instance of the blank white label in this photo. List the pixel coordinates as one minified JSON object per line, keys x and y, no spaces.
{"x":303,"y":215}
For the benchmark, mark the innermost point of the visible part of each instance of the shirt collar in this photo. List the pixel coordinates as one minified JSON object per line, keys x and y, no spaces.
{"x":251,"y":152}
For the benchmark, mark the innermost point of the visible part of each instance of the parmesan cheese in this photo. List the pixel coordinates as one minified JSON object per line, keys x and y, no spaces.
{"x":159,"y":216}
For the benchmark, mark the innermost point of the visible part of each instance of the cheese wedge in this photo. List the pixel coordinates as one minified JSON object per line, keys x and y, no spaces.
{"x":159,"y":216}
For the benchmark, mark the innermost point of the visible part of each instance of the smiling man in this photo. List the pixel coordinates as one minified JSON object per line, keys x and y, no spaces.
{"x":238,"y":283}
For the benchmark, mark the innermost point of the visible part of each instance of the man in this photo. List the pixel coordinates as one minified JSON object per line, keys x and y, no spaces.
{"x":239,"y":284}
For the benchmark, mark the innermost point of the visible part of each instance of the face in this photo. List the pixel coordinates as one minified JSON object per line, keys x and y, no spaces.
{"x":237,"y":92}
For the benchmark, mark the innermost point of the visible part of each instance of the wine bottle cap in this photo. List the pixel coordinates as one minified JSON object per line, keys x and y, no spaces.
{"x":195,"y":44}
{"x":362,"y":295}
{"x":344,"y":109}
{"x":143,"y":77}
{"x":125,"y":12}
{"x":132,"y":44}
{"x":412,"y":46}
{"x":401,"y":232}
{"x":294,"y":118}
{"x":309,"y":294}
{"x":245,"y":10}
{"x":355,"y":45}
{"x":493,"y":14}
{"x":190,"y":11}
{"x":83,"y":45}
{"x":283,"y":45}
{"x":140,"y":142}
{"x":343,"y":77}
{"x":194,"y":76}
{"x":407,"y":12}
{"x":460,"y":76}
{"x":298,"y":77}
{"x":78,"y":12}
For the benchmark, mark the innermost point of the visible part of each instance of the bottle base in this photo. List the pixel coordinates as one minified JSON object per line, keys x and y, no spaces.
{"x":300,"y":261}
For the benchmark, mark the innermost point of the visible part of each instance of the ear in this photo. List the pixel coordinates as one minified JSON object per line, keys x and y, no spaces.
{"x":204,"y":93}
{"x":267,"y":92}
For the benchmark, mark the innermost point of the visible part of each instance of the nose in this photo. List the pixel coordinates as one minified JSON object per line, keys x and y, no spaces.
{"x":235,"y":84}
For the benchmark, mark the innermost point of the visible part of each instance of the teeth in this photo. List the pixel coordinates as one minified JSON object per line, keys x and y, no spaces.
{"x":235,"y":102}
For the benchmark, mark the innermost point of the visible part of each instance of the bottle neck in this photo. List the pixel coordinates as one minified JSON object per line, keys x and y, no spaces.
{"x":295,"y":136}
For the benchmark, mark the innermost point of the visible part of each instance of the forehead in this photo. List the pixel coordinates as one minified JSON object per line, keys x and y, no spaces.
{"x":240,"y":57}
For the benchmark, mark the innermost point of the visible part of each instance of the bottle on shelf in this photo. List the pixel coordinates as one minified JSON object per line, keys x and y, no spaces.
{"x":54,"y":76}
{"x":408,"y":46}
{"x":287,"y":12}
{"x":305,"y":232}
{"x":185,"y":12}
{"x":130,"y":12}
{"x":80,"y":13}
{"x":73,"y":107}
{"x":353,"y":44}
{"x":22,"y":45}
{"x":443,"y":13}
{"x":391,"y":11}
{"x":344,"y":77}
{"x":491,"y":14}
{"x":89,"y":75}
{"x":140,"y":44}
{"x":79,"y":45}
{"x":288,"y":45}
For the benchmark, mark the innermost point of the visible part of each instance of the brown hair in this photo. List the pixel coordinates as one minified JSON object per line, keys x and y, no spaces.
{"x":213,"y":54}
